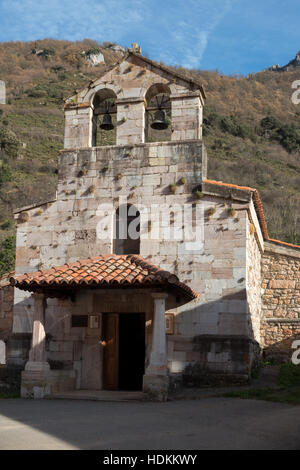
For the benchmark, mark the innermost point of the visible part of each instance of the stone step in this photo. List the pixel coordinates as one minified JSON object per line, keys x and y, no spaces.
{"x":101,"y":395}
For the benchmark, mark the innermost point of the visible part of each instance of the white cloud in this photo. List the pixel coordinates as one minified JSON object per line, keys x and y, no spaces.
{"x":70,"y":19}
{"x":175,"y":31}
{"x":190,"y":36}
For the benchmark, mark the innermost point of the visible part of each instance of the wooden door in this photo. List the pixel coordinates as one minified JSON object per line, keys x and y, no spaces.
{"x":110,"y":351}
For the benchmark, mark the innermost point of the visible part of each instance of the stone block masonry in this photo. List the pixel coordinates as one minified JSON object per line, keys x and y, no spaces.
{"x":281,"y":300}
{"x":6,"y":309}
{"x":66,"y":230}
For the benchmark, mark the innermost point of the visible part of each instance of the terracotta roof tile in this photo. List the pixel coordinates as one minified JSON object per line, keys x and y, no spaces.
{"x":102,"y":271}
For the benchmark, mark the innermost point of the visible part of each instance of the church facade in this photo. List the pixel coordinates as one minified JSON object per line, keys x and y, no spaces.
{"x":143,"y":272}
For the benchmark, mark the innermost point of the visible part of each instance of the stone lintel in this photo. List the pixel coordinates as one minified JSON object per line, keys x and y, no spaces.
{"x":138,"y":145}
{"x":71,"y":107}
{"x":159,"y":295}
{"x":129,"y":100}
{"x":182,"y":96}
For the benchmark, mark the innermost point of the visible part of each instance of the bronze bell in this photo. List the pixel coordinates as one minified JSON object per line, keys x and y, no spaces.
{"x":159,"y":122}
{"x":107,"y":124}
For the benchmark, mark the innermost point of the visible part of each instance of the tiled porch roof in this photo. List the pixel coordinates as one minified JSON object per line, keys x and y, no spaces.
{"x":102,"y":271}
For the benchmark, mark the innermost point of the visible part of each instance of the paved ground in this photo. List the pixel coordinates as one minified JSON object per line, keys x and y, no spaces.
{"x":212,"y":423}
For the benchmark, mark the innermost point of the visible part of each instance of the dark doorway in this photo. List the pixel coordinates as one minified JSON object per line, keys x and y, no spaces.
{"x":131,"y":351}
{"x":124,"y":351}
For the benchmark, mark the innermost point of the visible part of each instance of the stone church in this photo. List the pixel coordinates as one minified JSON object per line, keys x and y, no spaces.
{"x":143,"y":273}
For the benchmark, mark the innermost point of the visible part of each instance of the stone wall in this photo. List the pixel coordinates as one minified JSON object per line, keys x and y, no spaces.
{"x":16,"y":346}
{"x":6,"y":308}
{"x":281,"y":300}
{"x":253,"y":274}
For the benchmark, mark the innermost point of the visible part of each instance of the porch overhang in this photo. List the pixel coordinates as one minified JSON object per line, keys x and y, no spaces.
{"x":102,"y":272}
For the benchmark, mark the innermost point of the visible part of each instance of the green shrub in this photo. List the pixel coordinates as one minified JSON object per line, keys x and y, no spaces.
{"x":288,"y":135}
{"x":7,"y":254}
{"x":270,"y":123}
{"x":229,"y":124}
{"x":6,"y":224}
{"x":9,"y":142}
{"x":289,"y":374}
{"x":5,"y":173}
{"x":233,"y":127}
{"x":36,"y":92}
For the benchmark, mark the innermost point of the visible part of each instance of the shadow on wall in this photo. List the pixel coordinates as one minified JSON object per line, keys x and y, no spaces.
{"x":224,"y":342}
{"x":282,"y":351}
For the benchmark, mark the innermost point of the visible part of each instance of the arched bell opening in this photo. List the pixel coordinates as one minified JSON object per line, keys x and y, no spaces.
{"x":127,"y":231}
{"x":158,"y":114}
{"x":104,"y":118}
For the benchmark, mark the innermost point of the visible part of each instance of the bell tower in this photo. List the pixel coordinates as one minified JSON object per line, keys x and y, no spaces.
{"x":133,"y":137}
{"x":139,"y":94}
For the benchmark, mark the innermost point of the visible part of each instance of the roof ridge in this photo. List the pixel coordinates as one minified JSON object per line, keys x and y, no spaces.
{"x":140,"y":261}
{"x":164,"y":68}
{"x":273,"y":240}
{"x":229,"y":185}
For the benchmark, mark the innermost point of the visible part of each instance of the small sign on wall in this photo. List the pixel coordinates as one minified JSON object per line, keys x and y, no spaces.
{"x":169,"y":318}
{"x":94,"y":321}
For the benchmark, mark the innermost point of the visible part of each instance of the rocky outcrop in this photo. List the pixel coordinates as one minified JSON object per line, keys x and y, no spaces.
{"x":292,"y":65}
{"x":94,"y":57}
{"x":115,"y":48}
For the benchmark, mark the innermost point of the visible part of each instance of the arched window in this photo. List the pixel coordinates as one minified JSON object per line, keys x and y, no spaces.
{"x":104,"y":118}
{"x":127,"y":231}
{"x":158,"y":114}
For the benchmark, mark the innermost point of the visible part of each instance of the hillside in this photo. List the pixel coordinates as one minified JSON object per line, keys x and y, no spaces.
{"x":251,"y":130}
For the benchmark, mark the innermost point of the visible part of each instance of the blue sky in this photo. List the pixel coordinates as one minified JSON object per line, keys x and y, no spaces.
{"x":233,"y":36}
